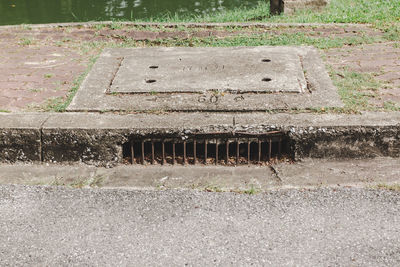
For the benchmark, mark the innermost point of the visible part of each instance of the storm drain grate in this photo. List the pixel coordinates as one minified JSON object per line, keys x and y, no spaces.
{"x":238,"y":149}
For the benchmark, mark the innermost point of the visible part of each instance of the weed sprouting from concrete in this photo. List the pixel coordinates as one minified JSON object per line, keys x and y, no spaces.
{"x":392,"y":187}
{"x":92,"y":182}
{"x":396,"y":45}
{"x":213,"y":189}
{"x":153,"y":93}
{"x":217,"y":189}
{"x":36,"y":90}
{"x":25,"y":41}
{"x":250,"y":191}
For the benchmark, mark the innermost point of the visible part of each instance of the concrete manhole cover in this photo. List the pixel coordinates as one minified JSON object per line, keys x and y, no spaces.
{"x":207,"y":79}
{"x":197,"y":71}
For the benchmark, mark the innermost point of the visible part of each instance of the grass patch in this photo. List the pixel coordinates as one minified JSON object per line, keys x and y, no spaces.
{"x":36,"y":90}
{"x":393,"y":187}
{"x":250,"y":38}
{"x":60,"y":104}
{"x":80,"y":183}
{"x":356,"y":89}
{"x":116,"y":25}
{"x":250,"y":191}
{"x":25,"y":41}
{"x":391,"y":106}
{"x":349,"y":11}
{"x":26,"y":27}
{"x":263,"y":39}
{"x":213,"y":189}
{"x":338,"y":11}
{"x":4,"y":111}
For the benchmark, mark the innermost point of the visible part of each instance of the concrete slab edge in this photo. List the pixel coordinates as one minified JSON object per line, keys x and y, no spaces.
{"x":97,"y":139}
{"x":310,"y":173}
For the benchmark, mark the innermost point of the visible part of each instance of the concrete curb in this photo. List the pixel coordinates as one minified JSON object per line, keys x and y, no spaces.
{"x":184,"y":24}
{"x":308,"y":173}
{"x":98,"y":138}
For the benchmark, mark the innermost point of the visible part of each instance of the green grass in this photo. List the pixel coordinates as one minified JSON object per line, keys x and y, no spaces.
{"x":36,"y":90}
{"x":391,"y":106}
{"x":60,"y":104}
{"x":26,"y":27}
{"x":249,"y":39}
{"x":25,"y":41}
{"x":356,"y":89}
{"x":213,"y":189}
{"x":4,"y":111}
{"x":393,"y":187}
{"x":338,"y":11}
{"x":269,"y":40}
{"x":115,"y":25}
{"x":350,"y":11}
{"x":250,"y":191}
{"x":96,"y":181}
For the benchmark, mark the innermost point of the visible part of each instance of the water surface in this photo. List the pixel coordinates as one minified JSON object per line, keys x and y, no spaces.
{"x":49,"y":11}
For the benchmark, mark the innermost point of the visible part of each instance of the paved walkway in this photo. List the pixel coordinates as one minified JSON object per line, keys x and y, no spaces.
{"x":38,"y":64}
{"x":56,"y":226}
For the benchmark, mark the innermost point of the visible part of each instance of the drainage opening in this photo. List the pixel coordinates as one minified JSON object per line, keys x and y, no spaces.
{"x":153,"y":67}
{"x":266,"y":60}
{"x":208,"y":150}
{"x":266,"y":79}
{"x":151,"y":81}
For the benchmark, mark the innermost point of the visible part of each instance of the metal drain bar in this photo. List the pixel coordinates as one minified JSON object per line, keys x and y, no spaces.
{"x":218,"y":149}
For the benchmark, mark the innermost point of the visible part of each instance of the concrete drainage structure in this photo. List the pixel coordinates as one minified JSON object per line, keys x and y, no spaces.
{"x":190,"y":108}
{"x":100,"y":139}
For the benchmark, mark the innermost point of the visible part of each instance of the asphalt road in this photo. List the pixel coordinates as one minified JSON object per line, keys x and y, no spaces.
{"x":323,"y":227}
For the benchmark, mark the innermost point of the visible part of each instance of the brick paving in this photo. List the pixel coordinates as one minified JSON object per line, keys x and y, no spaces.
{"x":382,"y":60}
{"x":37,"y":64}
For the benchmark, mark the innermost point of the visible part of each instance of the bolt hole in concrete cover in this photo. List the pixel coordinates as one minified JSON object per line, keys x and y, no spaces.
{"x":266,"y":60}
{"x":150,"y":81}
{"x":266,"y":79}
{"x":153,"y":67}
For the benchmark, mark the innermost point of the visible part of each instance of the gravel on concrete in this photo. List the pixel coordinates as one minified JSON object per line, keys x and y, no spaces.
{"x":55,"y":226}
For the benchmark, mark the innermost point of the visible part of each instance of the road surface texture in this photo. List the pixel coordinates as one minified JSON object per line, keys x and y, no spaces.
{"x":53,"y":226}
